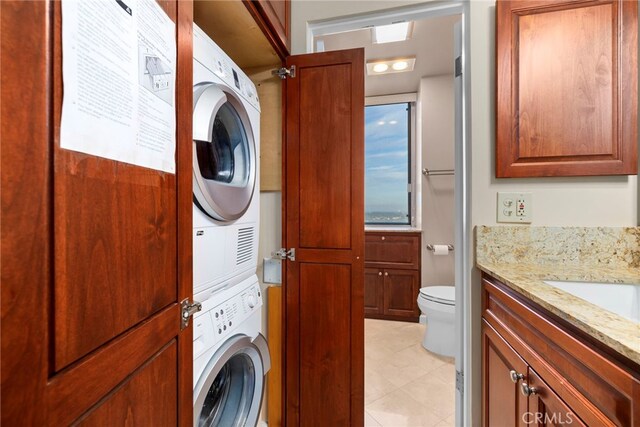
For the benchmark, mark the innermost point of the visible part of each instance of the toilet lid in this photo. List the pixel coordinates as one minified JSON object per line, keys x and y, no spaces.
{"x":441,"y":294}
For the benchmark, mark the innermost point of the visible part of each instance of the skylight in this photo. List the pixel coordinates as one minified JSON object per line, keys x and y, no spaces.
{"x":391,"y":33}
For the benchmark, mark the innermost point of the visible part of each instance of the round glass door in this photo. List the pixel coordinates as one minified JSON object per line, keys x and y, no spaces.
{"x":228,"y":400}
{"x":229,"y":392}
{"x":224,"y":157}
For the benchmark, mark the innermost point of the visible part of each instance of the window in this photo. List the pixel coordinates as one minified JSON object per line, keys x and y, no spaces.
{"x":388,"y":164}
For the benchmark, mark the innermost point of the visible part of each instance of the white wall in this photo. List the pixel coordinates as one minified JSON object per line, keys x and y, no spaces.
{"x":304,"y":11}
{"x":611,"y":201}
{"x":436,"y":97}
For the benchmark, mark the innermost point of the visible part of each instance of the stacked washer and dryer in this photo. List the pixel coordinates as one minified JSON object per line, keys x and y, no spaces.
{"x":231,"y":356}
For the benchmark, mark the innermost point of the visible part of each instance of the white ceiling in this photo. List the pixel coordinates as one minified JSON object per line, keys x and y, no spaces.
{"x":431,"y":43}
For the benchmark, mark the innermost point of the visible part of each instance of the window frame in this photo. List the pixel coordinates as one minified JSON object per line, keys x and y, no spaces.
{"x":411,"y":100}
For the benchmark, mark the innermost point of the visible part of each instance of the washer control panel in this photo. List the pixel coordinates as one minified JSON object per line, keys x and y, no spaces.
{"x":216,"y":322}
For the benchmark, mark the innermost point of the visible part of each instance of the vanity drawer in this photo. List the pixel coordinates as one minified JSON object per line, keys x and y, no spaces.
{"x":600,"y":387}
{"x":392,"y":250}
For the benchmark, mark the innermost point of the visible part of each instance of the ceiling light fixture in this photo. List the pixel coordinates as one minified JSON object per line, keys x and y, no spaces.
{"x":400,"y":65}
{"x":397,"y":32}
{"x":376,"y":67}
{"x":380,"y":68}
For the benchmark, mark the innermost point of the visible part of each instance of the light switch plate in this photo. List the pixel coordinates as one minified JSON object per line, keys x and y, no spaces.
{"x":515,"y":208}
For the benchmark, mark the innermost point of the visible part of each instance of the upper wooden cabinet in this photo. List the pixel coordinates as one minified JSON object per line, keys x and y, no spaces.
{"x":567,"y":88}
{"x":274,"y":17}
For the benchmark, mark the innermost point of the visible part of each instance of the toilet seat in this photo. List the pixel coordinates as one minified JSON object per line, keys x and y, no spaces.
{"x":445,"y":295}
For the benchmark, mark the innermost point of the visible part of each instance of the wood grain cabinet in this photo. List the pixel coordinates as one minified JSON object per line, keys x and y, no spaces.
{"x":274,"y":16}
{"x":392,"y":275}
{"x":566,"y":87}
{"x":540,"y":370}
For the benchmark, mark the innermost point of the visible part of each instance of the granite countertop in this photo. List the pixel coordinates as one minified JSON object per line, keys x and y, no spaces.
{"x":611,"y":329}
{"x":391,"y":229}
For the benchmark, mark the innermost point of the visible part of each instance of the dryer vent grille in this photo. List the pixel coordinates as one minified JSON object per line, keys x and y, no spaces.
{"x":245,"y":245}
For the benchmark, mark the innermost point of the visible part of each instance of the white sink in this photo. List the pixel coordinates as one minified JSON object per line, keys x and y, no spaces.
{"x":622,"y":299}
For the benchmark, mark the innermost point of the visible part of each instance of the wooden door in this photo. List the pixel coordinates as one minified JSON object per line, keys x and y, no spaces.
{"x":401,"y":288}
{"x":324,"y":222}
{"x":504,"y":404}
{"x":373,"y":291}
{"x":96,"y":254}
{"x":545,"y":406}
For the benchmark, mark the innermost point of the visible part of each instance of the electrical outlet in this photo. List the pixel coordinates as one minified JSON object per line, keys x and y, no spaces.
{"x":521,"y":207}
{"x":514,"y":208}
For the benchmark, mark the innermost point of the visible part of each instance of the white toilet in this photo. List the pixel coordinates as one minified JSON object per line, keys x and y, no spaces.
{"x":438,"y":304}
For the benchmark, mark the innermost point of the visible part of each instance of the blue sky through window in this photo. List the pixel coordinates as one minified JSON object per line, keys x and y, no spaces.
{"x":387,"y":163}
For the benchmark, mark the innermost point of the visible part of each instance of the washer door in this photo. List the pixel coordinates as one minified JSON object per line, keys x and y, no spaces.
{"x":229,"y":392}
{"x":224,"y":153}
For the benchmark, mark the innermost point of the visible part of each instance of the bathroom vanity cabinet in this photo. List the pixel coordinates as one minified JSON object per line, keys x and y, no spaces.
{"x":392,"y":275}
{"x":540,"y":370}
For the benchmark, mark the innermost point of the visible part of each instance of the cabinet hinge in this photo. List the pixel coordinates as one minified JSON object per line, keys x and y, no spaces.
{"x":283,"y":72}
{"x":283,"y":253}
{"x":188,"y":309}
{"x":460,"y":382}
{"x":458,"y":66}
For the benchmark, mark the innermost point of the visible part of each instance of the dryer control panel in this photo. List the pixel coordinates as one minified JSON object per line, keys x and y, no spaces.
{"x":224,"y":313}
{"x":209,"y":54}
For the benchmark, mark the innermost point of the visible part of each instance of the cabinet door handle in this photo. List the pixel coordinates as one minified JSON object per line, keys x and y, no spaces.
{"x":526,"y":390}
{"x":379,"y":273}
{"x":515,"y":376}
{"x":386,"y":274}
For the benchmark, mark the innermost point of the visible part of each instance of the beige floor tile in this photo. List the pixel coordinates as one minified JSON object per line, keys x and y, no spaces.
{"x":433,"y":393}
{"x":399,"y":375}
{"x":450,"y":421}
{"x":369,"y":421}
{"x":405,"y":385}
{"x":418,"y":357}
{"x":446,"y":372}
{"x":391,"y":340}
{"x":377,"y":349}
{"x":376,"y":386}
{"x":414,"y":331}
{"x":398,"y":409}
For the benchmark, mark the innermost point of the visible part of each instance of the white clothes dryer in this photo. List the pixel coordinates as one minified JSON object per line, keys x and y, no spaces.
{"x":226,"y":147}
{"x":231,"y":358}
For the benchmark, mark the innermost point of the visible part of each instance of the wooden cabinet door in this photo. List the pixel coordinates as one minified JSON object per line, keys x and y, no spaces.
{"x":373,"y":291}
{"x":545,"y":407}
{"x":393,"y":250}
{"x":401,"y":288}
{"x":567,"y":88}
{"x":504,"y":404}
{"x":274,"y":16}
{"x":96,"y":254}
{"x":324,"y":222}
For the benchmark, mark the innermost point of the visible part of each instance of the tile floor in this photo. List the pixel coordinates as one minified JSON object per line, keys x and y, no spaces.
{"x":405,"y":385}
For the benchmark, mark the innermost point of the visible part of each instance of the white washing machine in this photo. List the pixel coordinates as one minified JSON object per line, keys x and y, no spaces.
{"x":226,"y":147}
{"x":231,"y":358}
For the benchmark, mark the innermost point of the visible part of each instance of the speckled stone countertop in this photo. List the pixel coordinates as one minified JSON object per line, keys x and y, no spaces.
{"x":521,"y":258}
{"x":388,"y":229}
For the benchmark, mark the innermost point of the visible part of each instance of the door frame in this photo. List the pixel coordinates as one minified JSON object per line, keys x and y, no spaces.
{"x":462,"y":192}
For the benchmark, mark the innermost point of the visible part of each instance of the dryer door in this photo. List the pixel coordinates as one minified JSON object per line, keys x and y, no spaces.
{"x":229,"y":392}
{"x":224,"y":153}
